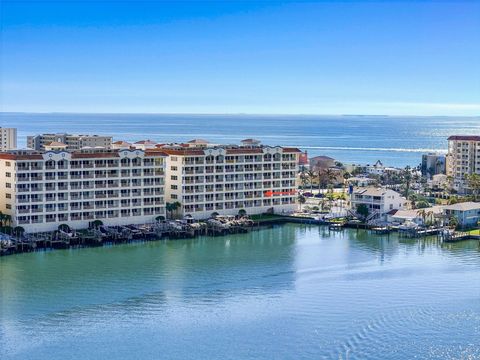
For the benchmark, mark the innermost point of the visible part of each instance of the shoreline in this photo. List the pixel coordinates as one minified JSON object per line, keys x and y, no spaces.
{"x":267,"y":221}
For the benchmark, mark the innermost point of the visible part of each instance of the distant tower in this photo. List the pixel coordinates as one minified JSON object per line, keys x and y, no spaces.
{"x":8,"y":138}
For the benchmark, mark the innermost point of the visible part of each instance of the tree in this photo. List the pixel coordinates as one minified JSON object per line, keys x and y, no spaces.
{"x":214,"y":214}
{"x":97,"y":223}
{"x":160,"y":218}
{"x":423,"y":214}
{"x":64,"y":228}
{"x":473,"y":181}
{"x":453,"y":222}
{"x":301,"y":200}
{"x":407,"y":179}
{"x":18,"y":231}
{"x":362,"y":210}
{"x":422,"y":204}
{"x":172,"y":207}
{"x":242,"y":212}
{"x":311,"y":176}
{"x":303,"y":180}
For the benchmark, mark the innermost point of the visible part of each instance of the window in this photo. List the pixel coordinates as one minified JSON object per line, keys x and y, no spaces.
{"x":7,"y":163}
{"x":8,"y":185}
{"x":174,"y":168}
{"x":173,"y":187}
{"x":8,"y":196}
{"x":174,"y":177}
{"x":174,"y":196}
{"x":174,"y":158}
{"x":8,"y":206}
{"x":7,"y":174}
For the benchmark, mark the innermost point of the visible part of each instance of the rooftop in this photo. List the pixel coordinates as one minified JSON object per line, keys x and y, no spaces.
{"x":464,"y":137}
{"x":465,"y":206}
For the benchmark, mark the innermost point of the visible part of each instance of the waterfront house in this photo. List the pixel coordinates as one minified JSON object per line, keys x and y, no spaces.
{"x":423,"y":216}
{"x":467,"y":213}
{"x":379,"y":201}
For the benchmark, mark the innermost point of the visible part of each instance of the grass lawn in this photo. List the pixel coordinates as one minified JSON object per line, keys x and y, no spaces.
{"x":475,"y":232}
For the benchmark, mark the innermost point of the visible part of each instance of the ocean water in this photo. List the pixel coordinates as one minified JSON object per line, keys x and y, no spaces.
{"x":397,"y":141}
{"x":287,"y":292}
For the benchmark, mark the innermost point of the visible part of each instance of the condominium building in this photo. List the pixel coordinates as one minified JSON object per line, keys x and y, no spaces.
{"x":8,"y":138}
{"x":72,"y":142}
{"x":463,"y":159}
{"x":225,"y":179}
{"x":41,"y":190}
{"x":433,"y":164}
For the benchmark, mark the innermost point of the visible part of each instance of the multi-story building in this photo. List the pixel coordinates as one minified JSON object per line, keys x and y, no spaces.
{"x":8,"y":138}
{"x":379,"y":201}
{"x":225,"y":179}
{"x":463,"y":159}
{"x":72,"y":142}
{"x":433,"y":164}
{"x":41,"y":190}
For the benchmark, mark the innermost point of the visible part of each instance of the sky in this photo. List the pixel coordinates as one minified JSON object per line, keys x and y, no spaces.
{"x":272,"y":57}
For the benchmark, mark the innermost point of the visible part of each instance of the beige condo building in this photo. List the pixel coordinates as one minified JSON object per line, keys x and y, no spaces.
{"x":72,"y":141}
{"x":8,"y":138}
{"x":41,"y":190}
{"x":225,"y":179}
{"x":463,"y":159}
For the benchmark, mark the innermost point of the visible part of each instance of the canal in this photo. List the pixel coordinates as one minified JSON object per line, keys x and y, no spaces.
{"x":291,"y":291}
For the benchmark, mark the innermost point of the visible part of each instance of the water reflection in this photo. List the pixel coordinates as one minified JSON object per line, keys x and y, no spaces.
{"x":345,"y":292}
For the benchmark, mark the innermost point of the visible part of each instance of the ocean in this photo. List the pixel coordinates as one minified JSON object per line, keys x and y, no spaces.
{"x":396,"y":141}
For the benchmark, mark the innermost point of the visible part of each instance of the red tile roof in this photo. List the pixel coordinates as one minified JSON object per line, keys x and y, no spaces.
{"x":464,"y":137}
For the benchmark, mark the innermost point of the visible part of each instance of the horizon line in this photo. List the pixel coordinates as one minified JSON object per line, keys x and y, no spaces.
{"x":226,"y":114}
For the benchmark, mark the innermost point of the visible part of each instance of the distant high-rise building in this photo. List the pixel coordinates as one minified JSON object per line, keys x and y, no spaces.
{"x":433,"y":164}
{"x":463,"y":159}
{"x":72,"y":142}
{"x":8,"y":138}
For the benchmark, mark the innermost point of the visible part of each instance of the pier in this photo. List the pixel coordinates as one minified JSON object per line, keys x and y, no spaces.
{"x":110,"y":235}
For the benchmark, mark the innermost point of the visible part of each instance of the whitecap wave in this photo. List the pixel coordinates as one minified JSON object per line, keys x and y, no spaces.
{"x":416,"y":150}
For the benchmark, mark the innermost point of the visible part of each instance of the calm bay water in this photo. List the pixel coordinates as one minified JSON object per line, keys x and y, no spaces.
{"x":287,"y":292}
{"x":397,"y":141}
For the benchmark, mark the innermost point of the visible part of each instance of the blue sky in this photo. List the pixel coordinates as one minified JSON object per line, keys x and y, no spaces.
{"x":350,"y":57}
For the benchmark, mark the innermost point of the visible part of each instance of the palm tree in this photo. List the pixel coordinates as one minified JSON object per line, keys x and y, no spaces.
{"x":303,"y":179}
{"x":311,"y":176}
{"x":301,"y":200}
{"x":172,"y":207}
{"x":453,"y":222}
{"x":423,"y":214}
{"x":407,"y":179}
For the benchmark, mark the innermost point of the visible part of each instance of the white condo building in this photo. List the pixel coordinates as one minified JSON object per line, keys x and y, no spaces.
{"x":463,"y":159}
{"x":8,"y":138}
{"x":41,"y":190}
{"x":71,"y":141}
{"x":225,"y":179}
